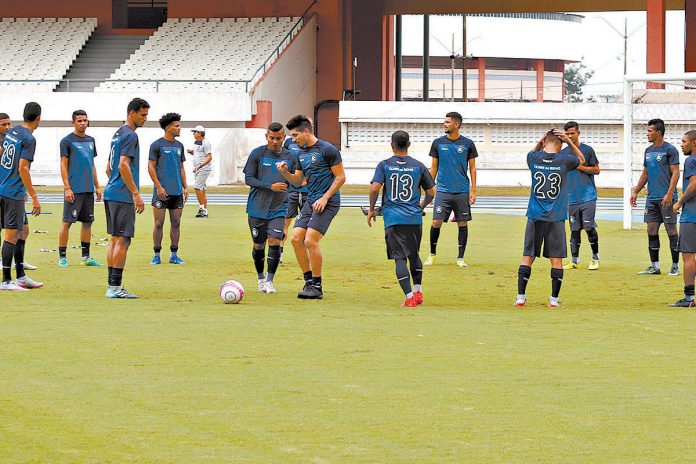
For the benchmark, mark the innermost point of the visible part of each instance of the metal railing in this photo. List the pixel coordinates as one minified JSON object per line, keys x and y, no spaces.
{"x":156,"y":82}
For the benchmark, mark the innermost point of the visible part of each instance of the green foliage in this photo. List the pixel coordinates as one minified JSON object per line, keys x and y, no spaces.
{"x":576,"y":76}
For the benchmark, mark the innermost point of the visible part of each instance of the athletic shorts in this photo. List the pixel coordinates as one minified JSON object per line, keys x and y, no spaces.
{"x":550,"y":235}
{"x":171,"y":202}
{"x":654,"y":212}
{"x":263,"y":229}
{"x":200,"y":178}
{"x":582,"y":216}
{"x":82,"y":209}
{"x":12,"y":214}
{"x":403,"y":241}
{"x":308,"y":218}
{"x":445,"y":203}
{"x":120,"y":219}
{"x":687,"y":237}
{"x":296,"y":201}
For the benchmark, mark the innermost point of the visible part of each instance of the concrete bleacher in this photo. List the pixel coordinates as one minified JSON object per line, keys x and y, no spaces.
{"x":201,"y":49}
{"x":44,"y":47}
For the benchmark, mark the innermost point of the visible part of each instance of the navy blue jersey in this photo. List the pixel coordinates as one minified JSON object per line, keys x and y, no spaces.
{"x":548,"y":200}
{"x":17,"y":144}
{"x":581,"y":186}
{"x":260,"y":172}
{"x":689,"y":209}
{"x":658,"y":160}
{"x":402,"y":178}
{"x":168,"y":157}
{"x":80,"y":152}
{"x":453,"y":163}
{"x":294,"y":150}
{"x":316,"y":162}
{"x":124,"y":143}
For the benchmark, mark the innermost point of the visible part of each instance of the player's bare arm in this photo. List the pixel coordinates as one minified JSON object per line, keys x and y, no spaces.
{"x":161,"y":192}
{"x":576,"y":151}
{"x":472,"y":189}
{"x":296,"y":178}
{"x":591,"y":170}
{"x":127,"y":176}
{"x":339,"y":180}
{"x":429,"y":195}
{"x":433,"y":167}
{"x":667,"y":200}
{"x":25,"y":175}
{"x":97,"y":188}
{"x":642,"y":180}
{"x":374,"y":193}
{"x":687,"y":195}
{"x":69,"y":195}
{"x":184,"y":182}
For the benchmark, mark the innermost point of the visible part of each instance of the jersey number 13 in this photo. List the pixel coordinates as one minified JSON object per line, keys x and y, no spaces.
{"x":401,"y":187}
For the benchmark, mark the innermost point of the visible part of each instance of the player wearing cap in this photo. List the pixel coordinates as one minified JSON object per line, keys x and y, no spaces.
{"x":202,"y":167}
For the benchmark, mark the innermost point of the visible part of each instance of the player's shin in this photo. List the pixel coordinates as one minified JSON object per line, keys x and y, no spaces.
{"x":523,"y":275}
{"x":7,"y":255}
{"x":403,"y":277}
{"x":654,"y":249}
{"x":434,"y":237}
{"x":575,"y":240}
{"x":19,"y":258}
{"x":273,"y":260}
{"x":593,"y":238}
{"x":463,"y":237}
{"x":556,"y":282}
{"x":673,"y":242}
{"x":259,"y":257}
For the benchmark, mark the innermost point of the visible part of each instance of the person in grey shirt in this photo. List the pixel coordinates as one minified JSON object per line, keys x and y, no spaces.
{"x":202,"y":167}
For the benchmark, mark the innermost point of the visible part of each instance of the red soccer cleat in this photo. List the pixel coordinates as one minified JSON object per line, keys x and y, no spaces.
{"x":410,"y":302}
{"x":418,"y":297}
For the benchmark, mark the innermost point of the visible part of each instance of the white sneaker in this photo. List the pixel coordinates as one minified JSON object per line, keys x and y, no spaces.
{"x":553,"y":304}
{"x":261,"y":287}
{"x":29,"y":267}
{"x":270,"y":288}
{"x":12,"y":286}
{"x":430,"y":261}
{"x":461,"y":263}
{"x":28,"y":282}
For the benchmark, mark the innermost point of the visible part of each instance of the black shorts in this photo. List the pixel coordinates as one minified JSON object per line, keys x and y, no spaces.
{"x":308,"y":218}
{"x":120,"y":219}
{"x":263,"y":229}
{"x":654,"y":212}
{"x":82,"y":209}
{"x":445,"y":203}
{"x":12,"y":214}
{"x":171,"y":202}
{"x":551,"y":235}
{"x":582,"y":216}
{"x":687,"y":237}
{"x":296,"y":201}
{"x":403,"y":241}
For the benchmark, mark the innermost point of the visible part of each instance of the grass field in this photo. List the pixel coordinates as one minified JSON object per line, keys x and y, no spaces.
{"x":179,"y":377}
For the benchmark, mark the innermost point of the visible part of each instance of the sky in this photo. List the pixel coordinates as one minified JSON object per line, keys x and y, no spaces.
{"x":600,"y":47}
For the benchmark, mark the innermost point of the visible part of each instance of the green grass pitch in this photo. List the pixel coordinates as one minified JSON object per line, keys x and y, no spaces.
{"x":179,"y":377}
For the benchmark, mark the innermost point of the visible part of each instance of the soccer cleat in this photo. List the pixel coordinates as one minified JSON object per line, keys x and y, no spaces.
{"x":175,"y":260}
{"x":270,"y":288}
{"x":28,"y":282}
{"x":12,"y":286}
{"x":204,"y":213}
{"x":63,"y":262}
{"x":553,"y":304}
{"x":261,"y":286}
{"x":121,"y":293}
{"x":431,"y":260}
{"x":29,"y":267}
{"x":649,"y":271}
{"x":155,"y":260}
{"x":419,"y":297}
{"x":594,"y":265}
{"x":200,"y":213}
{"x":683,"y":303}
{"x":311,"y":293}
{"x":410,"y":302}
{"x":461,"y":263}
{"x":520,"y":302}
{"x":571,"y":265}
{"x":674,"y":271}
{"x":89,"y":261}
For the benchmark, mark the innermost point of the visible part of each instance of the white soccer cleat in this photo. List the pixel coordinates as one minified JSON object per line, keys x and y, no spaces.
{"x":553,"y":304}
{"x":520,"y":302}
{"x":28,"y":283}
{"x":29,"y":267}
{"x":461,"y":263}
{"x":430,"y":261}
{"x":261,"y":286}
{"x":270,"y":288}
{"x":13,"y":287}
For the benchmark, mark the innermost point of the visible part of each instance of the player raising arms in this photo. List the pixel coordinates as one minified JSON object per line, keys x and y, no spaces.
{"x":547,"y":211}
{"x":267,"y":204}
{"x":121,"y":195}
{"x":402,"y":178}
{"x":661,"y":173}
{"x":77,"y":152}
{"x":320,"y":163}
{"x":687,"y":221}
{"x":166,"y":169}
{"x":18,"y":149}
{"x":452,"y":156}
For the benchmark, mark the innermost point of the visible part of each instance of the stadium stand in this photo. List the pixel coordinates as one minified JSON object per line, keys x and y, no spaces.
{"x":46,"y":47}
{"x":203,"y":49}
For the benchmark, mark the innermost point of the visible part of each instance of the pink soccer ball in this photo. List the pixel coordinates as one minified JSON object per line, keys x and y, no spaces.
{"x":231,"y":292}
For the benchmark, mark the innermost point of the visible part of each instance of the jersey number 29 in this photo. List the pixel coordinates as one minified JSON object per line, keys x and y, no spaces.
{"x":547,"y":186}
{"x":401,"y":187}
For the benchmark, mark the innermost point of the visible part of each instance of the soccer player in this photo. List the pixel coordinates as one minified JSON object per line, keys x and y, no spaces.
{"x":320,"y":164}
{"x":402,"y":178}
{"x":267,"y":204}
{"x":166,"y":169}
{"x":77,"y":152}
{"x":452,"y":156}
{"x":582,"y":199}
{"x":547,"y":211}
{"x":121,"y":195}
{"x":661,"y":173}
{"x":296,"y":196}
{"x":687,"y":221}
{"x":202,"y":167}
{"x":18,"y":149}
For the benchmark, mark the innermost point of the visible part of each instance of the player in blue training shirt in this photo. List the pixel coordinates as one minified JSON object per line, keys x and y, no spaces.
{"x":18,"y":149}
{"x":547,"y":211}
{"x":660,"y":173}
{"x":402,"y":178}
{"x":296,"y":196}
{"x":453,"y":159}
{"x":122,"y":196}
{"x":80,"y":181}
{"x":687,"y":221}
{"x":267,"y":204}
{"x":320,"y":164}
{"x":166,"y":168}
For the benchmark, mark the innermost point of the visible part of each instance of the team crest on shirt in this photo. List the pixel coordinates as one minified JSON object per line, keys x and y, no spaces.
{"x":659,"y":157}
{"x":314,"y":159}
{"x":254,"y":232}
{"x":460,"y":149}
{"x":91,"y":146}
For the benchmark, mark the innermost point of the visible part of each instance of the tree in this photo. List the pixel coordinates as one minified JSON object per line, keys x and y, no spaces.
{"x":576,"y":76}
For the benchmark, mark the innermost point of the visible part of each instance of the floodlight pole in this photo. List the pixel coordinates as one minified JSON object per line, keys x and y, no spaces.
{"x":628,"y":153}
